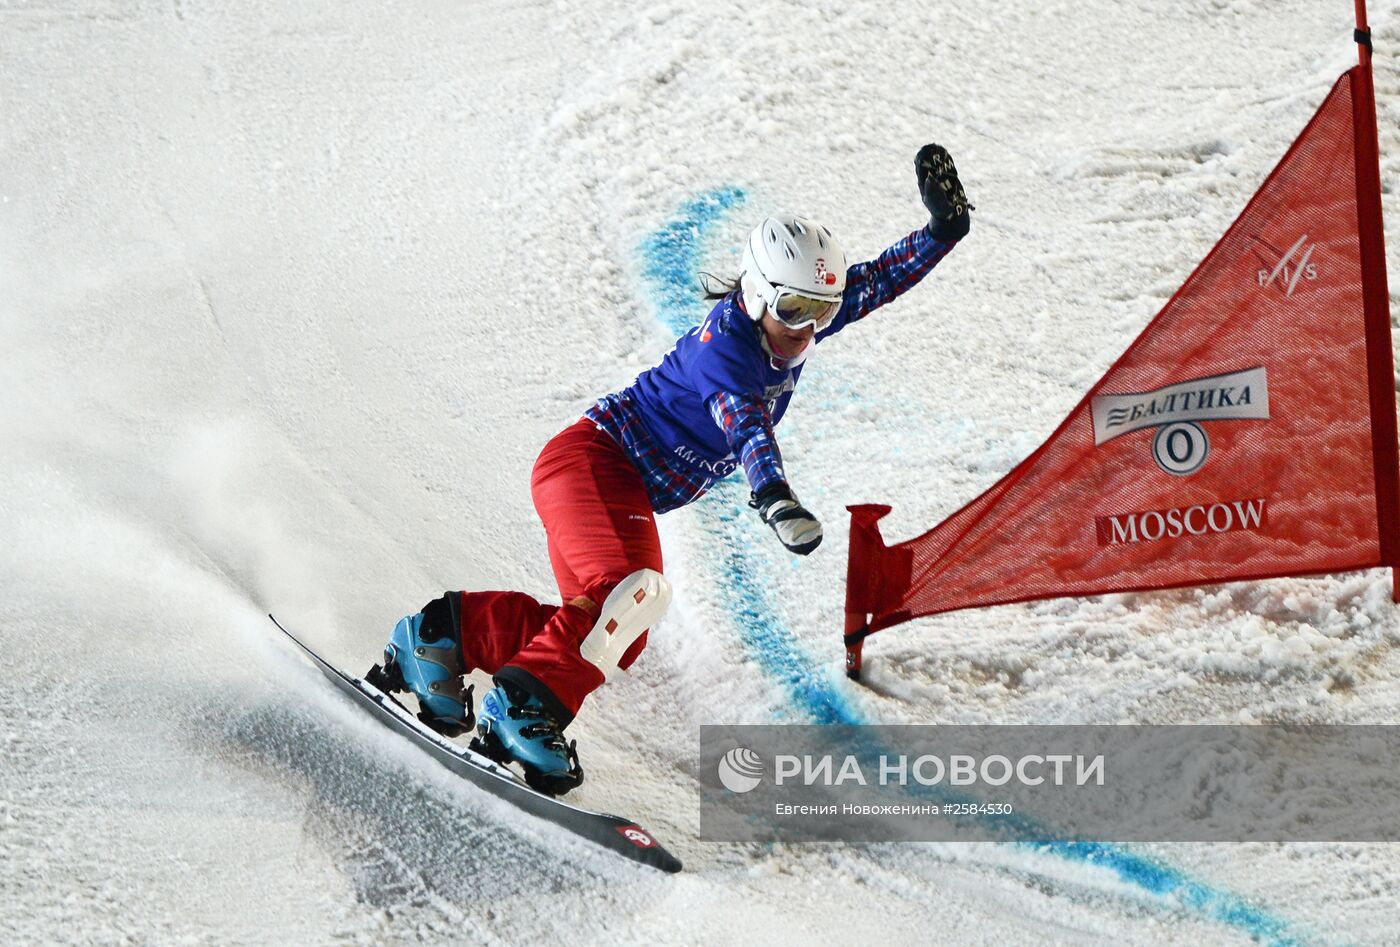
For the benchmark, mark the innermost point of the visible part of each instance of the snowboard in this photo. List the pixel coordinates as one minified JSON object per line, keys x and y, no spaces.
{"x":612,"y":832}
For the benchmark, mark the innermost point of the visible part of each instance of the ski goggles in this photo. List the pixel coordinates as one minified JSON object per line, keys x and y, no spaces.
{"x":797,"y":311}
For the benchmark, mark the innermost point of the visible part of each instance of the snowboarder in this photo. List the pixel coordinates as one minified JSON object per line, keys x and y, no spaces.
{"x":710,"y":406}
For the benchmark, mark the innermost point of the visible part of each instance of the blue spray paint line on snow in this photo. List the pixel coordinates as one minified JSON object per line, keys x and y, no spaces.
{"x":671,"y":257}
{"x":766,"y":639}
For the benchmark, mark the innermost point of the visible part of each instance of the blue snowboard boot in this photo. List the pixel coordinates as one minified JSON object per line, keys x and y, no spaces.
{"x":515,"y":727}
{"x":424,"y":656}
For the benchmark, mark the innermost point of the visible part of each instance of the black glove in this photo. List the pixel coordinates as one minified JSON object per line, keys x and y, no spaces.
{"x":797,"y":529}
{"x":942,"y":193}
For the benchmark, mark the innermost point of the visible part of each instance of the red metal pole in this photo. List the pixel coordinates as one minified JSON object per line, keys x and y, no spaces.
{"x":855,"y":622}
{"x":1376,"y":296}
{"x":871,"y":573}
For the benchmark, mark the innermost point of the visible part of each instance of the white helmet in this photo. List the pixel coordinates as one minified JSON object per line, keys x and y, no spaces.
{"x":794,"y":269}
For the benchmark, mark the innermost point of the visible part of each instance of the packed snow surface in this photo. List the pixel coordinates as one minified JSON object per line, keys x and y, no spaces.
{"x":291,"y":294}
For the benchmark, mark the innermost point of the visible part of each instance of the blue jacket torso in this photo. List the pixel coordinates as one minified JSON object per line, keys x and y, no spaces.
{"x":715,"y":397}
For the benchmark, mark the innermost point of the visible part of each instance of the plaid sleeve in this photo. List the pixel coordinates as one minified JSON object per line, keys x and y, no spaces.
{"x":871,"y":285}
{"x":748,"y":429}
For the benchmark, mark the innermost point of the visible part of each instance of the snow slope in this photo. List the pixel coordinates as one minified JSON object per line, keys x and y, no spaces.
{"x":293,"y":294}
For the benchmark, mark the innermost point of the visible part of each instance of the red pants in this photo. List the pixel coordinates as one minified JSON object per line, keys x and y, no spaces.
{"x":600,"y":528}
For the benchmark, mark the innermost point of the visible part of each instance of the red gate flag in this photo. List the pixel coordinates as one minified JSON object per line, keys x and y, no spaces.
{"x":1249,"y":432}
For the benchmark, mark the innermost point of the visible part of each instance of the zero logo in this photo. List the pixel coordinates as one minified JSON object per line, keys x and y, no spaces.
{"x":636,"y":836}
{"x":1180,"y":449}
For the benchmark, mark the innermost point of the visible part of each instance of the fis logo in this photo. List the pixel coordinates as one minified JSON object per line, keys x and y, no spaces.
{"x":824,"y":276}
{"x":1291,"y":266}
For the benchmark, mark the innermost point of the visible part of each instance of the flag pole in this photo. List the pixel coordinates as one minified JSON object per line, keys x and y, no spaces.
{"x":1376,"y":300}
{"x":1363,"y":34}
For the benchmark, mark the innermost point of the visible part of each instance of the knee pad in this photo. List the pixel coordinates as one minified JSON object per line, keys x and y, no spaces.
{"x":633,"y":606}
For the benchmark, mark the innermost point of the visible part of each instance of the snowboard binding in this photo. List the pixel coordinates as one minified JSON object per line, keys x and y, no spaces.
{"x":552,"y":783}
{"x":514,"y":727}
{"x":424,"y":656}
{"x":388,"y":678}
